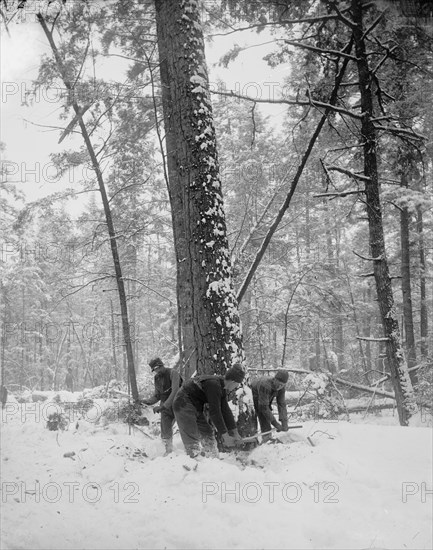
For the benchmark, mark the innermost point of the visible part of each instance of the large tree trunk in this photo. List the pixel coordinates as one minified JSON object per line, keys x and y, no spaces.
{"x":406,"y":159}
{"x":3,"y":310}
{"x":422,"y":284}
{"x":187,"y":349}
{"x":398,"y":366}
{"x":406,"y":286}
{"x":113,"y":341}
{"x":208,"y":309}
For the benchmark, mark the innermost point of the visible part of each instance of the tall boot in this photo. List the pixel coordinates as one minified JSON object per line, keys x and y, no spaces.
{"x":210,"y":448}
{"x":168,"y":443}
{"x":266,"y":438}
{"x":192,"y":450}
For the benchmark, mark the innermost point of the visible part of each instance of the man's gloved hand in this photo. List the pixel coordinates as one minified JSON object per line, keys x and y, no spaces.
{"x":228,"y":440}
{"x":278,"y":426}
{"x":284,"y":426}
{"x":158,"y":408}
{"x":238,"y":439}
{"x":235,"y":434}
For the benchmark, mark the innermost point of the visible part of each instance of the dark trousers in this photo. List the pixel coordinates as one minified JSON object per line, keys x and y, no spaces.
{"x":263,"y":419}
{"x":192,"y":423}
{"x":167,"y":421}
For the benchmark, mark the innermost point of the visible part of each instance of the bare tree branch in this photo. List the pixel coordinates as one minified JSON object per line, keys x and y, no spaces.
{"x":353,"y":175}
{"x":368,"y":339}
{"x":334,"y":53}
{"x":312,"y":102}
{"x":400,"y":131}
{"x":378,"y":259}
{"x":340,"y":194}
{"x":297,"y":177}
{"x":282,"y":22}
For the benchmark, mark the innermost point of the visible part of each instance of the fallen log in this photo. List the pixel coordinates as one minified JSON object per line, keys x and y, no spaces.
{"x":367,"y":389}
{"x":366,"y":408}
{"x":293,"y":398}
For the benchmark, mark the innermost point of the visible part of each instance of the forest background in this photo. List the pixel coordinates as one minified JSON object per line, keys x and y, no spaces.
{"x":311,"y":304}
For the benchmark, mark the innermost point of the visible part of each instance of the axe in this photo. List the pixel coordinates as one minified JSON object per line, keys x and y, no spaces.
{"x":253,"y":437}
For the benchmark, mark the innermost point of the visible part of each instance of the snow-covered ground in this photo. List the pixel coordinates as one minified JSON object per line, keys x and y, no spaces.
{"x":356,"y":485}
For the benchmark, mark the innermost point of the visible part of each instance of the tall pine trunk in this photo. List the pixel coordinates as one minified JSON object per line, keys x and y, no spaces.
{"x":406,"y":285}
{"x":424,"y":349}
{"x":399,"y":372}
{"x":107,"y":211}
{"x":208,"y":312}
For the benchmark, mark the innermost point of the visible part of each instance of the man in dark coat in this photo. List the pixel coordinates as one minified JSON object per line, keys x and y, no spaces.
{"x":188,"y":406}
{"x":265,"y":390}
{"x":167,"y":382}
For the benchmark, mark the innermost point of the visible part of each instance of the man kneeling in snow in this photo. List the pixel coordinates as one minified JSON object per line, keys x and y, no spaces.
{"x":264,"y":390}
{"x":188,"y":408}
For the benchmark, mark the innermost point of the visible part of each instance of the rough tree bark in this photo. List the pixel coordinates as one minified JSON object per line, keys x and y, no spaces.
{"x":208,"y":311}
{"x":399,"y":372}
{"x":422,"y":284}
{"x":406,"y":289}
{"x":408,"y":157}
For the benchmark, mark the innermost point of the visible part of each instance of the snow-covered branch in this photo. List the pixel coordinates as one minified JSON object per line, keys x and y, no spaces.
{"x":310,"y":103}
{"x":336,"y":53}
{"x":348,"y":173}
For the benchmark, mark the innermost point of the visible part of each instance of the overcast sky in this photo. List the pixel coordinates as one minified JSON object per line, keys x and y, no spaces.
{"x":29,"y":145}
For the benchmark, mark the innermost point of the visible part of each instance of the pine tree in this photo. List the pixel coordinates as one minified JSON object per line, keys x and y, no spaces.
{"x":211,"y":335}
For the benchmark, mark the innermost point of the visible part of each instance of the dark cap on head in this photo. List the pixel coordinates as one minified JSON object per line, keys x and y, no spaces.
{"x":282,"y":376}
{"x":155,"y":363}
{"x":235,"y":373}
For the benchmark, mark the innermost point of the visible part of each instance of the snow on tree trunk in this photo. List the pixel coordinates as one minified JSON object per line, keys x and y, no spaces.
{"x":208,"y":309}
{"x":399,"y":371}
